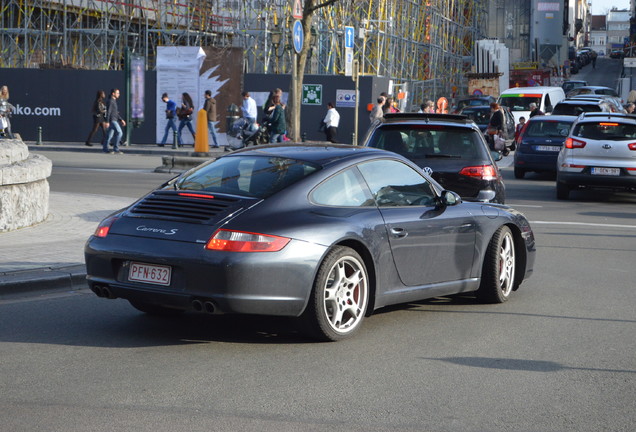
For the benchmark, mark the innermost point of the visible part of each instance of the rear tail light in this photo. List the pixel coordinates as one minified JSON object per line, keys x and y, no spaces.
{"x":484,"y":172}
{"x":240,"y":241}
{"x":572,"y":143}
{"x":104,"y":227}
{"x":632,"y":146}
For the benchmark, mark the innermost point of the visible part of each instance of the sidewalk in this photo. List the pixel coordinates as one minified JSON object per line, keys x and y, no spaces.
{"x":50,"y":255}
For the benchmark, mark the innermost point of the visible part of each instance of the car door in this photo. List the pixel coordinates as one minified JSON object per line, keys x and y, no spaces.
{"x":430,"y":243}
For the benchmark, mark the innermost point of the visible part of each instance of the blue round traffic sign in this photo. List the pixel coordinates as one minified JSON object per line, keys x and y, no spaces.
{"x":298,"y":36}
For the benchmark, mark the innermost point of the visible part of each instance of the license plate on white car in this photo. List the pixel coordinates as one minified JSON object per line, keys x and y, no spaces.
{"x":548,"y":148}
{"x":606,"y":171}
{"x":150,"y":273}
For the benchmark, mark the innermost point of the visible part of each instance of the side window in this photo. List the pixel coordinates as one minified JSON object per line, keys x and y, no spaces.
{"x":345,"y":189}
{"x":548,"y":104}
{"x":393,"y":184}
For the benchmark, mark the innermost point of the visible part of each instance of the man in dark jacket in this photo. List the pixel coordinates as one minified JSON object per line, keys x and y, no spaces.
{"x":112,"y":125}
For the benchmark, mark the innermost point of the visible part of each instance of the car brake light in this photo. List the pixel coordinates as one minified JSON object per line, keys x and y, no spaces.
{"x":104,"y":227}
{"x":195,"y":195}
{"x":608,"y":124}
{"x":484,"y":172}
{"x":632,"y":146}
{"x":572,"y":143}
{"x":240,"y":241}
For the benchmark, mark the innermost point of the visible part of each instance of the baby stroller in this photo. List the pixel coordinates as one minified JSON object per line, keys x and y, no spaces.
{"x":244,"y":133}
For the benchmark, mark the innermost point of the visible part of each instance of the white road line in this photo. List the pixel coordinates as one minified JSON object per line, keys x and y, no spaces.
{"x":582,"y":224}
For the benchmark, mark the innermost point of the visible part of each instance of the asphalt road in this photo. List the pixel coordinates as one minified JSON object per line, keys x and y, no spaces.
{"x":559,"y":356}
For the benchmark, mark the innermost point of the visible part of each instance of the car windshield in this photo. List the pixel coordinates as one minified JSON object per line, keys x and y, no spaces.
{"x":572,"y":85}
{"x":429,"y":141}
{"x":253,"y":176}
{"x":548,"y":128}
{"x":471,"y":102}
{"x":520,"y":102}
{"x":605,"y":130}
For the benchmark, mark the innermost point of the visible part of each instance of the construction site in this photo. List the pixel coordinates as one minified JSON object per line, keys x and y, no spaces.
{"x":425,"y":45}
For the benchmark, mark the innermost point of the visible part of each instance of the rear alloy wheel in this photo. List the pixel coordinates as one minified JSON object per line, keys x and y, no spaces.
{"x":152,"y":309}
{"x":519,"y":173}
{"x":498,"y":273}
{"x":339,"y":297}
{"x":562,"y":191}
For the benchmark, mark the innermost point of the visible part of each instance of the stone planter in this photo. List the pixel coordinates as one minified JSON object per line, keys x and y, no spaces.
{"x":24,"y":188}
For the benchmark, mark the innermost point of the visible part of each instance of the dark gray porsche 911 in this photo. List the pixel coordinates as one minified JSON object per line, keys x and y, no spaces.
{"x":327,"y":234}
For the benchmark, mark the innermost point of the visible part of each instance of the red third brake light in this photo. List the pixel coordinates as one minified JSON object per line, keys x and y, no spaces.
{"x":240,"y":241}
{"x":484,"y":172}
{"x":572,"y":143}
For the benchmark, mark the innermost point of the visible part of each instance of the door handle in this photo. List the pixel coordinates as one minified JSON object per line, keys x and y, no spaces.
{"x":399,"y":232}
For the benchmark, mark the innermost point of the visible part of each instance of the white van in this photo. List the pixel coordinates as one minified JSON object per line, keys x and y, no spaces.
{"x":518,"y":99}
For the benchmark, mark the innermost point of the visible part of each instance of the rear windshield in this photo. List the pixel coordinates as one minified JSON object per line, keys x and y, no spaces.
{"x":254,"y":176}
{"x":520,"y":102}
{"x":575,"y":110}
{"x":605,"y":130}
{"x":479,"y":116}
{"x":571,"y":85}
{"x":548,"y":128}
{"x":471,"y":102}
{"x":430,"y":141}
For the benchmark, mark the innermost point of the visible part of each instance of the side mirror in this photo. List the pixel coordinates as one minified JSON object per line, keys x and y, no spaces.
{"x":450,"y":198}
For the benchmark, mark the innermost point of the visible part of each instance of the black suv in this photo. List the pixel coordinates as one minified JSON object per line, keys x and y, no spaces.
{"x":449,"y":147}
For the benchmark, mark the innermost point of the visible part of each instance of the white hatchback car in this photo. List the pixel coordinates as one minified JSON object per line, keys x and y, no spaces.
{"x":599,"y":152}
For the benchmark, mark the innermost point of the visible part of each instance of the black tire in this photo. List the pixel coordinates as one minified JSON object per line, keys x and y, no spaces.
{"x":499,"y":268}
{"x":339,"y":297}
{"x":519,"y":173}
{"x":562,"y":191}
{"x":156,"y":310}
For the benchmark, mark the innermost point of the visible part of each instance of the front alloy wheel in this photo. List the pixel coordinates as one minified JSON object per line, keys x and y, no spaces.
{"x":498,"y":272}
{"x":340,"y":296}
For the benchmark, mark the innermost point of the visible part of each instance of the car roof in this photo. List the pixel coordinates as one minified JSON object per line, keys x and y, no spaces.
{"x":596,"y":116}
{"x":321,"y":154}
{"x":591,"y":87}
{"x":580,"y":101}
{"x":536,"y":89}
{"x":428,"y":118}
{"x":550,"y":117}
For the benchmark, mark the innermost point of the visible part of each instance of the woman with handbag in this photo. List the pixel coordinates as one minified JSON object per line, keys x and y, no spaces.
{"x":185,"y":115}
{"x":494,"y":131}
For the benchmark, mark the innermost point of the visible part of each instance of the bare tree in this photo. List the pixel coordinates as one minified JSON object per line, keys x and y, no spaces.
{"x":295,"y":87}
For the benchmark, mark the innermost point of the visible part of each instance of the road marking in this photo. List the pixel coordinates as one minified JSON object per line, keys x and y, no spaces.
{"x":582,"y":224}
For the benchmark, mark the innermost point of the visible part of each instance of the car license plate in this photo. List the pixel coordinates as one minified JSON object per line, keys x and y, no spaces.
{"x":151,"y":274}
{"x":548,"y":148}
{"x":606,"y":171}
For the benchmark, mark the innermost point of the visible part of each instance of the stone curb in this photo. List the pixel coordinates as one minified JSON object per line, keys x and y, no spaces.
{"x":43,"y":279}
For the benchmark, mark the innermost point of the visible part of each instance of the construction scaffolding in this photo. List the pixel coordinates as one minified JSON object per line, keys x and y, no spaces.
{"x":425,"y":46}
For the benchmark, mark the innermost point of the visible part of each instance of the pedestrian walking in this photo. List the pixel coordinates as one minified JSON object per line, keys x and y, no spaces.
{"x":5,"y":113}
{"x":99,"y":117}
{"x":113,"y":123}
{"x":278,"y":126}
{"x":332,"y":120}
{"x":377,"y":110}
{"x":249,"y":108}
{"x":210,"y":108}
{"x":184,"y":113}
{"x":494,"y":130}
{"x":171,"y":113}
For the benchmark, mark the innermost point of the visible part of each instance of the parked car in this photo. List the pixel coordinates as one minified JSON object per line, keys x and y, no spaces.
{"x":539,"y":144}
{"x":481,"y":116}
{"x":572,"y":84}
{"x":617,"y":54}
{"x":576,"y":107}
{"x":600,"y":90}
{"x":599,"y":152}
{"x":450,"y":147}
{"x":311,"y":232}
